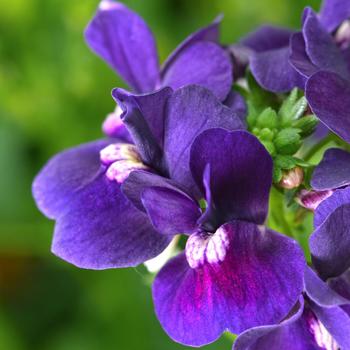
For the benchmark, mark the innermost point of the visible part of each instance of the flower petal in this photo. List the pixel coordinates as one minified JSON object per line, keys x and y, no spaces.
{"x":190,"y":111}
{"x":320,"y":46}
{"x":237,"y":103}
{"x":291,"y":334}
{"x":122,"y":38}
{"x":273,"y":71}
{"x":171,"y":212}
{"x":203,"y":63}
{"x":320,"y":292}
{"x":333,"y":13}
{"x":333,"y":171}
{"x":267,"y":38}
{"x":144,"y":116}
{"x":102,"y":229}
{"x":65,"y":174}
{"x":138,"y":180}
{"x":327,"y":206}
{"x":329,"y":97}
{"x":241,"y":173}
{"x":337,"y":322}
{"x":299,"y":58}
{"x":330,"y":243}
{"x":208,"y":33}
{"x":245,"y":277}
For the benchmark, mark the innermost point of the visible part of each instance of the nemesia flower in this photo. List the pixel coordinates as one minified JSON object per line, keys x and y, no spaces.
{"x":96,"y":226}
{"x":318,"y":322}
{"x":234,"y":273}
{"x":316,"y":59}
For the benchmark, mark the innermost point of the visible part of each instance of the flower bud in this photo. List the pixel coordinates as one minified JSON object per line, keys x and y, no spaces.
{"x":292,"y":178}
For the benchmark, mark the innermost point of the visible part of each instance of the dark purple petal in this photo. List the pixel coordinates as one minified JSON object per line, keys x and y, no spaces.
{"x":267,"y":38}
{"x":330,"y":243}
{"x":329,"y":97}
{"x":320,"y":292}
{"x":190,"y":111}
{"x":208,"y":33}
{"x":171,"y":212}
{"x":138,"y":180}
{"x":64,"y":175}
{"x":242,"y":276}
{"x":122,"y":38}
{"x":240,"y":56}
{"x":341,"y":285}
{"x":333,"y":13}
{"x":241,"y":173}
{"x":333,"y":171}
{"x":273,"y":71}
{"x":237,"y":103}
{"x":291,"y":334}
{"x":203,"y":63}
{"x":102,"y":229}
{"x":144,"y":117}
{"x":337,"y":322}
{"x":299,"y":58}
{"x":320,"y":46}
{"x":328,"y":205}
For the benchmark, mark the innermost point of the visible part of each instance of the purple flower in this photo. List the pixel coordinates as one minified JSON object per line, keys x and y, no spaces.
{"x":330,"y":242}
{"x":315,"y":59}
{"x":320,"y":320}
{"x":121,"y":37}
{"x":234,"y":273}
{"x":96,"y":226}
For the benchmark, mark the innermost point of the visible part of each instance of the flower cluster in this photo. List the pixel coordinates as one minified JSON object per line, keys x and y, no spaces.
{"x":196,"y":148}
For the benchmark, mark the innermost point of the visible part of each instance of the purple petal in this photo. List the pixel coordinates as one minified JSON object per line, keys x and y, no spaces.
{"x":333,"y":13}
{"x":329,"y":97}
{"x":190,"y":111}
{"x":337,"y":322}
{"x":138,"y":180}
{"x":102,"y":229}
{"x":291,"y":334}
{"x":171,"y":212}
{"x":328,"y":205}
{"x":144,"y":117}
{"x":241,"y":173}
{"x":330,"y":243}
{"x":237,"y":275}
{"x":64,"y":175}
{"x":267,"y":38}
{"x":320,"y":46}
{"x":208,"y":33}
{"x":237,"y":103}
{"x":333,"y":170}
{"x":122,"y":38}
{"x":273,"y":71}
{"x":240,"y":56}
{"x":341,"y":285}
{"x":320,"y":292}
{"x":203,"y":63}
{"x":299,"y":58}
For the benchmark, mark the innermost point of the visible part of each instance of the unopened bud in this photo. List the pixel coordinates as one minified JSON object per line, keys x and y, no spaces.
{"x":292,"y":178}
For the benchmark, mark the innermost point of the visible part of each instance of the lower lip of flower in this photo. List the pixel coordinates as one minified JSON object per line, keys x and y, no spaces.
{"x":203,"y":247}
{"x":121,"y":159}
{"x":320,"y":334}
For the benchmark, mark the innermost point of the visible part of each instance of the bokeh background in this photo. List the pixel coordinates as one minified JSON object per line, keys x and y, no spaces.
{"x":54,"y":93}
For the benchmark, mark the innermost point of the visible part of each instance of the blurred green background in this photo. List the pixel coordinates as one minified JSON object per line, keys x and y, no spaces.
{"x":54,"y":93}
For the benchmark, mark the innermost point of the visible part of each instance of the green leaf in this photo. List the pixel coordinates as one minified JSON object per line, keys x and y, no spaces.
{"x":277,"y":174}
